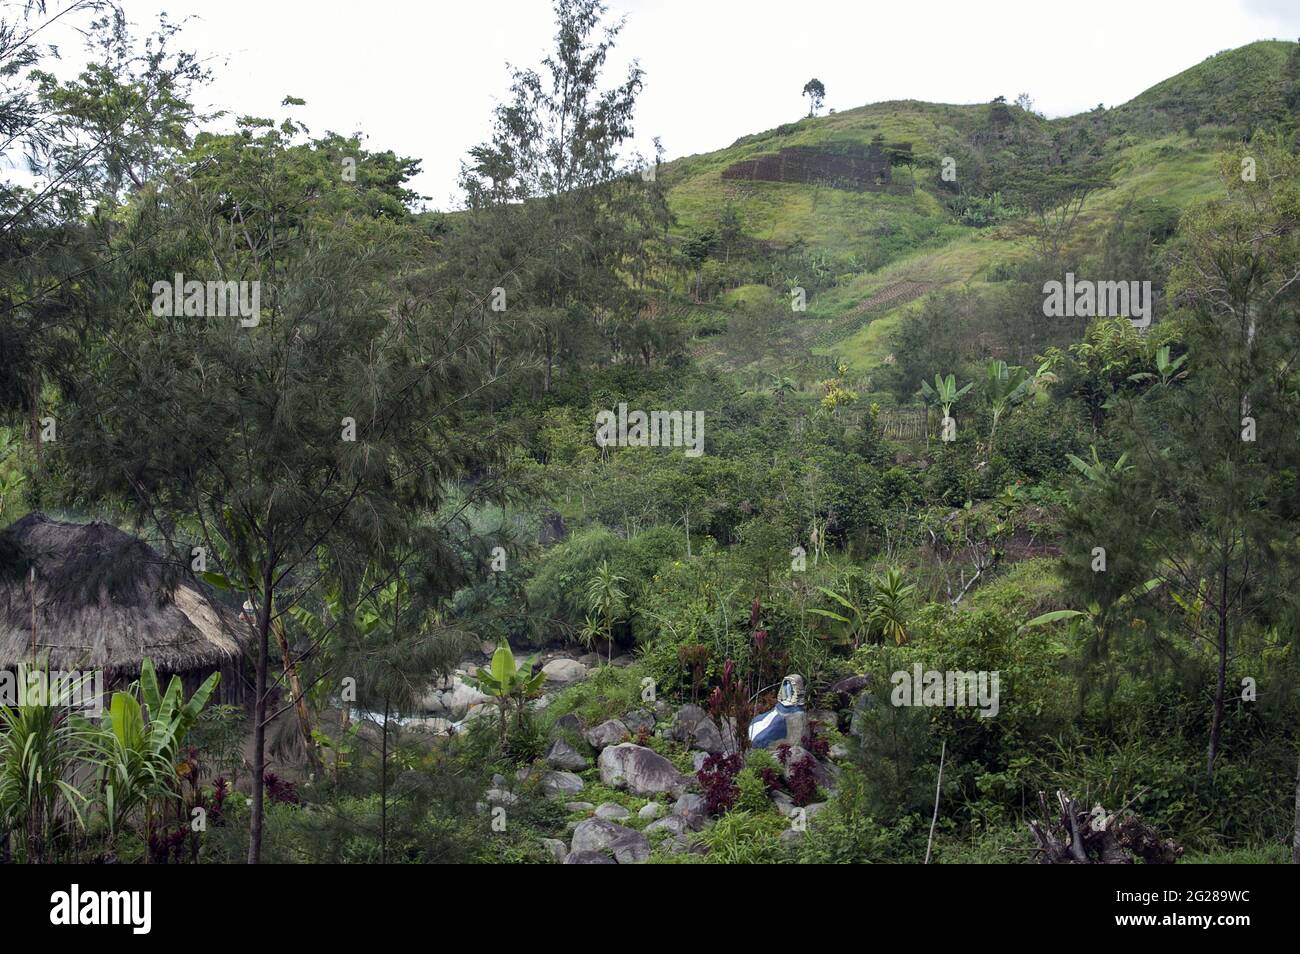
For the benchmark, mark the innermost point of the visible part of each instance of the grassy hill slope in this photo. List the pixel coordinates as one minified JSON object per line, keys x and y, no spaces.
{"x":872,"y":256}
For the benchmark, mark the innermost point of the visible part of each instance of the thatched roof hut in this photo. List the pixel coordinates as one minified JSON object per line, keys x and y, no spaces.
{"x":105,"y":600}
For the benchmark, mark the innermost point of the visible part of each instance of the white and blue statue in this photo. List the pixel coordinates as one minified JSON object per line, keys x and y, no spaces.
{"x":785,"y":723}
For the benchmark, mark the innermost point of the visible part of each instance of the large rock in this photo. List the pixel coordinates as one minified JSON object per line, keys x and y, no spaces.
{"x":612,"y":811}
{"x":640,"y":770}
{"x":827,"y":774}
{"x":569,"y":722}
{"x":561,"y":783}
{"x":685,"y":720}
{"x":607,"y":733}
{"x":675,"y":825}
{"x":589,"y":858}
{"x":564,"y":756}
{"x":651,"y":810}
{"x":556,"y":848}
{"x":563,"y":671}
{"x":639,"y":720}
{"x":848,"y":689}
{"x":627,"y":845}
{"x":691,"y":807}
{"x":452,"y":698}
{"x":693,"y":726}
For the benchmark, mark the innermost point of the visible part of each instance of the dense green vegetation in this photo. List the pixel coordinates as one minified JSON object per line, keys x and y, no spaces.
{"x":394,"y":467}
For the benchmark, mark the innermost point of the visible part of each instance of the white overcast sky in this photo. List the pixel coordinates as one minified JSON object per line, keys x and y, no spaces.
{"x":422,"y":76}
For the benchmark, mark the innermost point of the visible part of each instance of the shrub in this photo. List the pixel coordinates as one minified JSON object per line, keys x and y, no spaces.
{"x":744,"y":838}
{"x":718,"y":779}
{"x":752,"y":792}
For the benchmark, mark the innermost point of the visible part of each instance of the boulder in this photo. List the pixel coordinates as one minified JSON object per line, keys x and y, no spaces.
{"x":708,"y":738}
{"x":556,"y":848}
{"x":675,"y":825}
{"x":452,"y":698}
{"x":824,"y":718}
{"x":693,"y":726}
{"x":627,"y":845}
{"x":589,"y":858}
{"x":612,"y":811}
{"x":579,"y":806}
{"x":570,"y":723}
{"x":691,"y":808}
{"x":651,"y":811}
{"x":608,"y":733}
{"x":640,"y":770}
{"x":685,"y":720}
{"x":563,"y":671}
{"x":826,"y":773}
{"x":564,"y":756}
{"x":848,"y":689}
{"x":496,"y":796}
{"x":639,"y":720}
{"x":561,"y":783}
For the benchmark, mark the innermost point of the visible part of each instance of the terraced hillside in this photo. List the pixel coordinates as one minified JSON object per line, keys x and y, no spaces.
{"x":867,"y":258}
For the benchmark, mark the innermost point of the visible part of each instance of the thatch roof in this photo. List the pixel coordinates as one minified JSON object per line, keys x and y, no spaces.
{"x":104,"y":600}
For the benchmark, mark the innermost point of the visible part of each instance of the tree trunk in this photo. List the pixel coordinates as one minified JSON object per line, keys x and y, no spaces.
{"x":1295,"y":840}
{"x":1220,"y":682}
{"x":550,"y":359}
{"x":259,"y":721}
{"x":299,"y":700}
{"x":383,"y":788}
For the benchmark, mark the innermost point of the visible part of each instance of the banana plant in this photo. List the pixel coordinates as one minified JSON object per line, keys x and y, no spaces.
{"x":1093,"y":616}
{"x":853,"y":619}
{"x":1004,"y":386}
{"x":1166,"y":370}
{"x":1097,"y":471}
{"x":945,"y":392}
{"x":138,"y":747}
{"x":507,"y":683}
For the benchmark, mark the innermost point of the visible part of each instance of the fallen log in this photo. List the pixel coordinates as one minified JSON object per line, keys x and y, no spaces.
{"x":1072,"y":835}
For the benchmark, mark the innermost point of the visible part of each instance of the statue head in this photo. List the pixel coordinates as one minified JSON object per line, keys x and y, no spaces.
{"x":791,"y":693}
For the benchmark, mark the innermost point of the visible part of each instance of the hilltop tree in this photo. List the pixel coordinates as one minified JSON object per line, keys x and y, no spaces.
{"x":816,"y":94}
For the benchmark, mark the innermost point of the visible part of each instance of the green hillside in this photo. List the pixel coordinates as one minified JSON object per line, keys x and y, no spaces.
{"x":867,"y":258}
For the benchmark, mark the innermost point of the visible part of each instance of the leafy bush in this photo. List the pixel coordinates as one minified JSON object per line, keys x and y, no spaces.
{"x":744,"y":838}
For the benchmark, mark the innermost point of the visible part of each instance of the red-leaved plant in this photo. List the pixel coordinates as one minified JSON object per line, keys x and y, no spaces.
{"x":717,"y":777}
{"x":729,"y":703}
